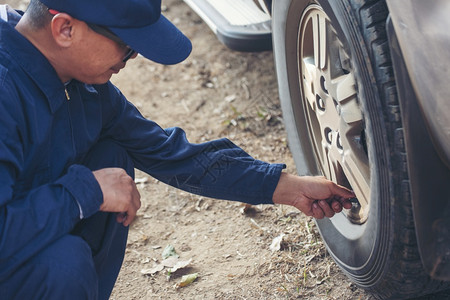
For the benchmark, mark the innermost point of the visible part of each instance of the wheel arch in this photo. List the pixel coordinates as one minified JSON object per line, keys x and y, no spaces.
{"x":429,"y":176}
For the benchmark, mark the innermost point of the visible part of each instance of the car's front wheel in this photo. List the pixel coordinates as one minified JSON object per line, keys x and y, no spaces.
{"x":339,"y":102}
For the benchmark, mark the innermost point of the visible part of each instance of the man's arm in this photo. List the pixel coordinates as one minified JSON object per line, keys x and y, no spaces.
{"x":217,"y":169}
{"x":31,"y":220}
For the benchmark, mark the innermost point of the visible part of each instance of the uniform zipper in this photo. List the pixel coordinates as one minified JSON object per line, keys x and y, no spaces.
{"x":70,"y":121}
{"x":67,"y":94}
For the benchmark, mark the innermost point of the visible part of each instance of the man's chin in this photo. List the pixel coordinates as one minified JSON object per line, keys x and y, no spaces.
{"x":102,"y":80}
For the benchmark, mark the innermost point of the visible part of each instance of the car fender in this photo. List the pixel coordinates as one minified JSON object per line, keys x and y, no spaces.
{"x":422,"y":29}
{"x":421,"y":79}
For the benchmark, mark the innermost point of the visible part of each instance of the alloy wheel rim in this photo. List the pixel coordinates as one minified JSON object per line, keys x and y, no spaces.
{"x":333,"y":115}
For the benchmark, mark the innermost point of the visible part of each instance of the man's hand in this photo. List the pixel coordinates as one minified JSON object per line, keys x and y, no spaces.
{"x":120,"y":194}
{"x":314,"y":196}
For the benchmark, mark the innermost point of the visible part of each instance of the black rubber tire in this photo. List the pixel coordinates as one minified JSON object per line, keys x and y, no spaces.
{"x":383,"y":258}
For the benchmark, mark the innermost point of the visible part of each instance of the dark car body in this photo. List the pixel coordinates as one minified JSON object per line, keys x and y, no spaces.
{"x":420,"y":42}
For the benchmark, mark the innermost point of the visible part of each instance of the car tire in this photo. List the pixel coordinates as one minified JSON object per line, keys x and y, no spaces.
{"x":341,"y":112}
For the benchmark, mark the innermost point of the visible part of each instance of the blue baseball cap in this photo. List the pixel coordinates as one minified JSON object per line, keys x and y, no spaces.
{"x":138,"y":23}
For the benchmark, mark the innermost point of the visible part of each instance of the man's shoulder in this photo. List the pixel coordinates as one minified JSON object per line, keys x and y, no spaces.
{"x":3,"y":72}
{"x":8,"y":87}
{"x":7,"y":67}
{"x":8,"y":14}
{"x":12,"y":77}
{"x":6,"y":61}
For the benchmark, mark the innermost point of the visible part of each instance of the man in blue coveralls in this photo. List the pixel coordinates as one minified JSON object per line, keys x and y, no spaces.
{"x":69,"y":143}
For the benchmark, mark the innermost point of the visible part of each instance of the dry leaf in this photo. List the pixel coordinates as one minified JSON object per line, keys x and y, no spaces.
{"x":173,"y":263}
{"x":276,"y":243}
{"x":186,"y":280}
{"x":180,"y":265}
{"x":170,"y":262}
{"x":230,"y":98}
{"x":169,"y":251}
{"x":153,"y":270}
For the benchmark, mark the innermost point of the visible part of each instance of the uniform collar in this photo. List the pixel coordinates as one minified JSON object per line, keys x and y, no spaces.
{"x":34,"y":63}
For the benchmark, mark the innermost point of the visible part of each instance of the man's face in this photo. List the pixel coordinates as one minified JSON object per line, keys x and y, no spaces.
{"x":98,"y":57}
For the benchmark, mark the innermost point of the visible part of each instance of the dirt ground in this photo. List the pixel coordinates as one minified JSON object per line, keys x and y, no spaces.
{"x":216,"y":93}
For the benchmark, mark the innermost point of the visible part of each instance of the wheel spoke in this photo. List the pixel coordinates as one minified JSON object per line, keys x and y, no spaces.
{"x":325,"y":161}
{"x":355,"y":167}
{"x":344,"y":92}
{"x":334,"y":159}
{"x":308,"y":82}
{"x":344,"y":87}
{"x":320,"y":40}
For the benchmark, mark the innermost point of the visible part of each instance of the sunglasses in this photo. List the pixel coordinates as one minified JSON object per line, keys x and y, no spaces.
{"x":102,"y":30}
{"x":110,"y":35}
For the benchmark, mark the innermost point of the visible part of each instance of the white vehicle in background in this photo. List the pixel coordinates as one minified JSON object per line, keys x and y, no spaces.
{"x":364,"y":92}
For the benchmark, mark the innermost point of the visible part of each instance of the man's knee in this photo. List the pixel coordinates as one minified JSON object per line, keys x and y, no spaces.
{"x":64,"y":270}
{"x":72,"y":267}
{"x":108,"y":154}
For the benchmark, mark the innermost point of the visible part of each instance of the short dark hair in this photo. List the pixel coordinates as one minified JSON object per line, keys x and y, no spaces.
{"x":39,"y":15}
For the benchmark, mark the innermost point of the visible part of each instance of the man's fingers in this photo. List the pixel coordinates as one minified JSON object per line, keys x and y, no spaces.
{"x":121,"y":217}
{"x":135,"y":204}
{"x":129,"y":218}
{"x":336,"y":205}
{"x":343,"y":192}
{"x":317,"y":211}
{"x":132,"y":211}
{"x":346,"y":203}
{"x":326,"y":208}
{"x":126,"y":218}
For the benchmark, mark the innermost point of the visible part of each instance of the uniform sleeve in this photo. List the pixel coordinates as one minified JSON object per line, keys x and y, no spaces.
{"x":32,"y":218}
{"x":217,"y":169}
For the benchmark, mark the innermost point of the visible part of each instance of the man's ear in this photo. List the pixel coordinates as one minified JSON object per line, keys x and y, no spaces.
{"x":63,"y":29}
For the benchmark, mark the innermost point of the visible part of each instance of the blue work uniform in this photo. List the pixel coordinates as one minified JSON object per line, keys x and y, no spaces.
{"x":52,"y":135}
